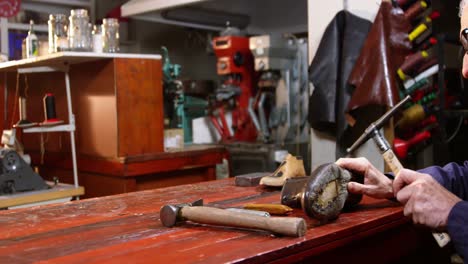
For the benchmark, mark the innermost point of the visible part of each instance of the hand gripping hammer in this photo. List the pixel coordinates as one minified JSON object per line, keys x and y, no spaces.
{"x":170,"y":215}
{"x":373,"y":131}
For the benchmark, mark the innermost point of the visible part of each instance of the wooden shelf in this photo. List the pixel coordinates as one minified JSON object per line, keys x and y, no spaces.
{"x":71,"y":3}
{"x":61,"y":59}
{"x":59,"y":128}
{"x":57,"y":193}
{"x":25,"y":27}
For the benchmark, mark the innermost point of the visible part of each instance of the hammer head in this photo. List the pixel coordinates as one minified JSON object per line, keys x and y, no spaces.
{"x":372,"y":130}
{"x":293,"y":190}
{"x":170,"y":214}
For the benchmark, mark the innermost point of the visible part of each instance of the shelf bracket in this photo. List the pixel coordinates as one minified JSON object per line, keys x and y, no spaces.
{"x":63,"y":68}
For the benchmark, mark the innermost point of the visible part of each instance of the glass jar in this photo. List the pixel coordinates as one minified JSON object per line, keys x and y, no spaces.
{"x":89,"y":35}
{"x":97,"y":38}
{"x":110,"y":35}
{"x":79,"y":33}
{"x":58,"y":37}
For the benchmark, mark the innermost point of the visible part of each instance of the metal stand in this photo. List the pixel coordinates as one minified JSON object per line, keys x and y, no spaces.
{"x":70,"y":127}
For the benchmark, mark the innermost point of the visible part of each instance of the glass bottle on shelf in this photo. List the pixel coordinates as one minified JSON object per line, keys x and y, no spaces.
{"x":110,"y":35}
{"x":58,"y":38}
{"x":32,"y":43}
{"x":89,"y":35}
{"x":78,"y":35}
{"x":97,"y":38}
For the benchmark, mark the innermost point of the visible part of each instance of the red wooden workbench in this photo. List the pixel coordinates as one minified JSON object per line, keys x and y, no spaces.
{"x":125,"y":228}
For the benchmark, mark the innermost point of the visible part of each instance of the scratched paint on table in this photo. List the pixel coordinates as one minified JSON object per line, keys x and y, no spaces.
{"x":127,"y":227}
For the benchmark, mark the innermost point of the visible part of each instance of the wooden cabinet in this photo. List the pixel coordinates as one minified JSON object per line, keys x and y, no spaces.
{"x":117,"y":101}
{"x":118,"y":105}
{"x":103,"y":177}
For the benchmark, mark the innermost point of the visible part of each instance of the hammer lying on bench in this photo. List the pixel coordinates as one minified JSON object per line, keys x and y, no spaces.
{"x":170,"y":215}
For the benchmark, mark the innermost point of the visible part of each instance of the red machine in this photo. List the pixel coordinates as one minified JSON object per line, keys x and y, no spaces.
{"x":235,"y":64}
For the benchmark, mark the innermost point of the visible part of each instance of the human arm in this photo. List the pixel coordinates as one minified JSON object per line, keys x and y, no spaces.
{"x":431,"y":204}
{"x":455,"y":211}
{"x":426,"y":201}
{"x":452,"y":176}
{"x":457,"y":227}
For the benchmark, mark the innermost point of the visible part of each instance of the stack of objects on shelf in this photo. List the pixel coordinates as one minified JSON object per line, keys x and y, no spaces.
{"x":419,"y":77}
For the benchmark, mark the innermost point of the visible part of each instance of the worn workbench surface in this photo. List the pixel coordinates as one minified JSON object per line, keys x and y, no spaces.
{"x":125,"y":228}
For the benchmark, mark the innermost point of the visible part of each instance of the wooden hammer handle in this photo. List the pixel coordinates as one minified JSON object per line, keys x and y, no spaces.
{"x":395,"y":165}
{"x":392,"y":161}
{"x":289,"y":226}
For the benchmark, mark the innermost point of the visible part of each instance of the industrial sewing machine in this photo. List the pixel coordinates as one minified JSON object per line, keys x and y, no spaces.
{"x":283,"y":87}
{"x":15,"y":174}
{"x":279,"y":107}
{"x":183,"y":100}
{"x":235,"y":66}
{"x":172,"y":89}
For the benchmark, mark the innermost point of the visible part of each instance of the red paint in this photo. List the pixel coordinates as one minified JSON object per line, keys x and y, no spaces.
{"x":126,"y":228}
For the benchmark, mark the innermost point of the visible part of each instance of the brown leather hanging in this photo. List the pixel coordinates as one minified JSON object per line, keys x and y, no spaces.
{"x":374,"y":74}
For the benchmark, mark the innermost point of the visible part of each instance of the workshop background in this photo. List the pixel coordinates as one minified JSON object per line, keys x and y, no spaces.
{"x":207,"y":130}
{"x":187,"y":38}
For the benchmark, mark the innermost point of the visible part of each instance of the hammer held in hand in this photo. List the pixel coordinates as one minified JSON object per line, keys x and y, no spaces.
{"x":373,"y":131}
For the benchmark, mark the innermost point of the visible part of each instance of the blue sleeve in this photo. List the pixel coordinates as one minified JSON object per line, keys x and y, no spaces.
{"x":453,"y":177}
{"x":457,"y":228}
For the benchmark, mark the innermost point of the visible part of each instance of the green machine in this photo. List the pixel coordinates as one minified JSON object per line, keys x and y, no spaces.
{"x":183,"y":100}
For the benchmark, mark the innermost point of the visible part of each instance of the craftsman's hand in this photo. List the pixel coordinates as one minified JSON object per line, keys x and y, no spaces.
{"x":426,"y":201}
{"x":375,"y":184}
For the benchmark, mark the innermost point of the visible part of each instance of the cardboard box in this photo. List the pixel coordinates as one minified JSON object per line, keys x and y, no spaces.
{"x":173,"y":139}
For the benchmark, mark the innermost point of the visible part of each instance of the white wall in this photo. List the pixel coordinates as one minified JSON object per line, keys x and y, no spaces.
{"x":320,"y":13}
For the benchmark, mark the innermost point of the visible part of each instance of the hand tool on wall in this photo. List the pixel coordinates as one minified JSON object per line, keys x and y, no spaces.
{"x":170,"y":215}
{"x":324,"y":194}
{"x":373,"y":131}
